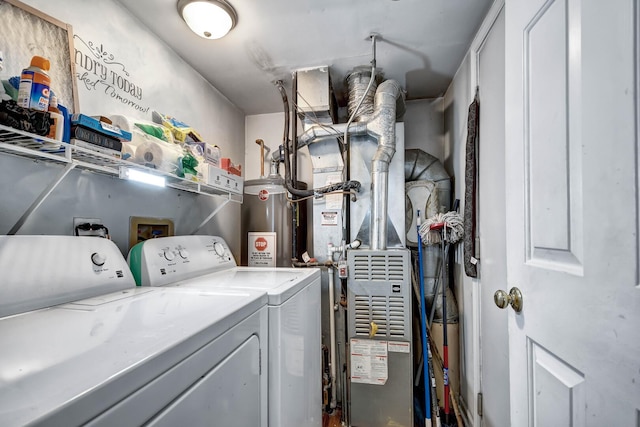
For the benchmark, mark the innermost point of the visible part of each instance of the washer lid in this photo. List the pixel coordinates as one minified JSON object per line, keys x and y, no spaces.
{"x":279,"y":283}
{"x":87,"y":355}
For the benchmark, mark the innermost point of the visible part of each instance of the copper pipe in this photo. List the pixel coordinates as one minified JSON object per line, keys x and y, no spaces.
{"x":261,"y":144}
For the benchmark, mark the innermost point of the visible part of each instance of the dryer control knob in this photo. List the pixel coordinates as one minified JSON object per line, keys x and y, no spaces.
{"x":184,"y":253}
{"x":219,"y":248}
{"x":169,"y":255}
{"x":98,"y":259}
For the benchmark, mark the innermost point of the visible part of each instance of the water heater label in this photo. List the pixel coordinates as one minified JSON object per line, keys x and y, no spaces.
{"x":369,"y":361}
{"x":262,"y":249}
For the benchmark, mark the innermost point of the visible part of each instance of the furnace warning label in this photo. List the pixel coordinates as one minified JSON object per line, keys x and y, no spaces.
{"x":369,"y":361}
{"x":398,"y":347}
{"x":329,"y":218}
{"x":261,"y":249}
{"x":333,"y":201}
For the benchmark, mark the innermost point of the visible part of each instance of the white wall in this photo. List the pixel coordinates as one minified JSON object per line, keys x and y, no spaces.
{"x":424,"y":126}
{"x":169,"y":86}
{"x":456,"y":104}
{"x":270,"y":128}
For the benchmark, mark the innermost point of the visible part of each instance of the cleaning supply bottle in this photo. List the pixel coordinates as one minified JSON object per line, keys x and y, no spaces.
{"x":56,"y":131}
{"x":34,"y":85}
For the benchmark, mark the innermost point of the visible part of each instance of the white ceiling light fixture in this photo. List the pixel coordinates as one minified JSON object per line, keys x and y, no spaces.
{"x":210,"y":19}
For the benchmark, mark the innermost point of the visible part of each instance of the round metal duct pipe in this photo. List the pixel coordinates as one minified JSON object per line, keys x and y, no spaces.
{"x":422,"y":166}
{"x":424,"y":169}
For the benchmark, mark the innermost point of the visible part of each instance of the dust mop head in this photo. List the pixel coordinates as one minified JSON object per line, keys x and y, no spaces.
{"x":448,"y":225}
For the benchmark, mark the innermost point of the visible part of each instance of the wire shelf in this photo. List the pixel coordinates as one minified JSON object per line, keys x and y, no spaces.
{"x":24,"y":144}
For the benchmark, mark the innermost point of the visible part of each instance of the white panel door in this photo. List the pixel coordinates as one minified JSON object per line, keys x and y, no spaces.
{"x":571,"y":198}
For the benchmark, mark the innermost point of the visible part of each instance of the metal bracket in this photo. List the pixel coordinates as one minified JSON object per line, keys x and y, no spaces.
{"x":41,"y":198}
{"x":216,"y":210}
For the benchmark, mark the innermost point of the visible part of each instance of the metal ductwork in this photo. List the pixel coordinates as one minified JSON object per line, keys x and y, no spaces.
{"x":358,"y":82}
{"x":419,"y":165}
{"x":388,"y":105}
{"x":382,"y":127}
{"x":318,"y":133}
{"x":422,"y":166}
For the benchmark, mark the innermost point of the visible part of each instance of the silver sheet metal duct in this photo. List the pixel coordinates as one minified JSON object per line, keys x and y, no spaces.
{"x":422,"y":166}
{"x":388,"y":104}
{"x":382,"y":127}
{"x":419,"y":165}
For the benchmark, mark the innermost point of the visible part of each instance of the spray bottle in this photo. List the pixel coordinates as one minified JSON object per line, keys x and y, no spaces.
{"x":34,"y":85}
{"x":56,"y":131}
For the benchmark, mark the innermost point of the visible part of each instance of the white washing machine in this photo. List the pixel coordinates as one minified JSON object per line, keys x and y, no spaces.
{"x":295,"y":354}
{"x":81,"y":344}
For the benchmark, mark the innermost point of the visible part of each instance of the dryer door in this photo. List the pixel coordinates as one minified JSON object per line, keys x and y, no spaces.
{"x":228,"y":395}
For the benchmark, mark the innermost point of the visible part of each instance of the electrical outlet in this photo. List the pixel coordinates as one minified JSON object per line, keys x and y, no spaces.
{"x":79,"y":220}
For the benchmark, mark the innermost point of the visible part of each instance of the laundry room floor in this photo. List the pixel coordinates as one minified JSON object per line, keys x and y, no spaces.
{"x":332,"y":420}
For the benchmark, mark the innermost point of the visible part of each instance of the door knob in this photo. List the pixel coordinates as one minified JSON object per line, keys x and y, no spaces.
{"x":513,"y":298}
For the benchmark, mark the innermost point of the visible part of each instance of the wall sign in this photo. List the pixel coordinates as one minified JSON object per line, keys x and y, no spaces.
{"x":98,"y":69}
{"x":262,"y":249}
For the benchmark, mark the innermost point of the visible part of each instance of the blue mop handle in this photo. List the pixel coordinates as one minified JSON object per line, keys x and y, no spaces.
{"x":423,"y":325}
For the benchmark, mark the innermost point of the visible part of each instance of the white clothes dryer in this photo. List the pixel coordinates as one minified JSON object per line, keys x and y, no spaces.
{"x":295,"y":348}
{"x":81,"y":344}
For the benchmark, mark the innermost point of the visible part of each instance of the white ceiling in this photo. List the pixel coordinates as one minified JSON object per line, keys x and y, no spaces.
{"x":422,"y":43}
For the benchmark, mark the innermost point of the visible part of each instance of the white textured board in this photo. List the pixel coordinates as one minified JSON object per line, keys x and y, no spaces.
{"x":369,"y":361}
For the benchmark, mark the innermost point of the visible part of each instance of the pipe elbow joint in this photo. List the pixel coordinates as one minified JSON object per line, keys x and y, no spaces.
{"x":384,"y":153}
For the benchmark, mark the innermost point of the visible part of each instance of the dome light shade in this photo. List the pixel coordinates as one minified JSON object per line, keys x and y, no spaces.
{"x":210,"y":19}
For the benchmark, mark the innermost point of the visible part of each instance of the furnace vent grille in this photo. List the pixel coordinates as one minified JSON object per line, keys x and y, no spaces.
{"x":382,"y":266}
{"x":386,"y":311}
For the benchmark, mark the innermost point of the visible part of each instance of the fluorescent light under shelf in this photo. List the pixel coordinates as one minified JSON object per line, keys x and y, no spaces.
{"x":140,"y":176}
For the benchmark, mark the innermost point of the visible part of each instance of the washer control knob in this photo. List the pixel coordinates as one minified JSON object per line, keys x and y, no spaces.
{"x":98,"y":259}
{"x":184,"y":253}
{"x":219,"y":248}
{"x":169,"y":255}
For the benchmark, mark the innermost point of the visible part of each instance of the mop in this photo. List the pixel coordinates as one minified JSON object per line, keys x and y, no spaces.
{"x":443,"y":229}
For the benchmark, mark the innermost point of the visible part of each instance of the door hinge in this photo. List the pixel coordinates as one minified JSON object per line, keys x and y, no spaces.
{"x":479,"y":404}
